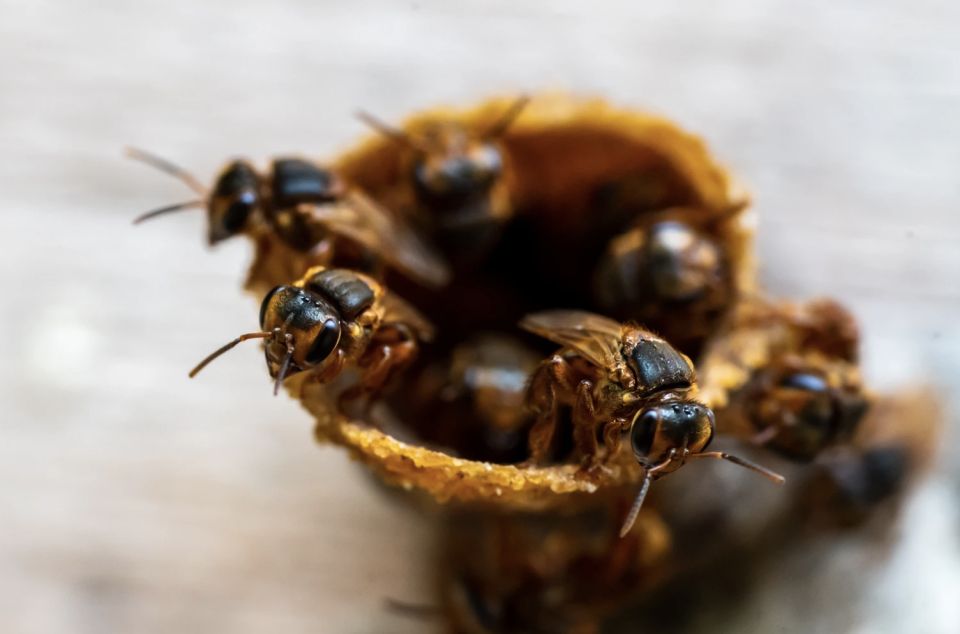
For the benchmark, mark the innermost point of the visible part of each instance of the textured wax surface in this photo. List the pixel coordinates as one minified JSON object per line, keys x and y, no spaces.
{"x":133,"y":499}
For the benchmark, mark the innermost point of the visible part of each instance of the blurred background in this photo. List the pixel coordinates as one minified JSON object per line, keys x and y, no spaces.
{"x":132,"y":499}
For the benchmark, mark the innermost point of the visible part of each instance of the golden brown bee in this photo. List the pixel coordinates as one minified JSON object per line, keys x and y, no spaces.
{"x":457,"y":176}
{"x":791,"y":375}
{"x":473,"y":403}
{"x":309,"y":210}
{"x":331,"y":320}
{"x":800,"y":405}
{"x":670,"y":272}
{"x":617,"y":378}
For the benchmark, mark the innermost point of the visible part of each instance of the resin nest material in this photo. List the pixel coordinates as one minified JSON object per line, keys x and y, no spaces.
{"x":561,"y":158}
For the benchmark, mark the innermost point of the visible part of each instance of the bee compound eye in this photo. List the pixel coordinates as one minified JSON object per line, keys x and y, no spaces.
{"x":325,"y":342}
{"x":804,"y":381}
{"x":644,"y":430}
{"x":265,"y":304}
{"x":238,"y":212}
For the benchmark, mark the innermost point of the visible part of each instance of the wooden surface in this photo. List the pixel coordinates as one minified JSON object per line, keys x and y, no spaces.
{"x":135,"y":500}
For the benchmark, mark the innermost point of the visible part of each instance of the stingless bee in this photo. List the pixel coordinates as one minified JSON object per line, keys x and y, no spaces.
{"x":668,"y":272}
{"x":474,"y":402}
{"x":791,"y":374}
{"x":331,"y":320}
{"x":309,"y":209}
{"x":801,"y":405}
{"x":458,"y":176}
{"x":619,"y":378}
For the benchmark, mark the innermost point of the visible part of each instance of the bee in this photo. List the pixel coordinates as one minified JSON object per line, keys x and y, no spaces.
{"x":669,"y":272}
{"x":801,"y":405}
{"x":309,"y":210}
{"x":618,"y":378}
{"x":791,"y":373}
{"x":457,"y":177}
{"x":331,"y":320}
{"x":474,"y":402}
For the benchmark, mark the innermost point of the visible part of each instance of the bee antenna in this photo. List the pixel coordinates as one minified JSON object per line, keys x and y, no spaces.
{"x":502,"y":124}
{"x":190,"y":204}
{"x":773,"y":476}
{"x":229,"y":346}
{"x":637,"y":503}
{"x":167,"y":167}
{"x":284,"y":366}
{"x":384,"y":128}
{"x":635,"y":509}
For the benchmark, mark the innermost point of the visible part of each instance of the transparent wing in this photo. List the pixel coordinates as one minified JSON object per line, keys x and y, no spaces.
{"x":398,"y":310}
{"x":596,"y":337}
{"x":366,"y":222}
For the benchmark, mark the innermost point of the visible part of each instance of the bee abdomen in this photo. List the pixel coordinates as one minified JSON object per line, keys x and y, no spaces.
{"x":657,"y":365}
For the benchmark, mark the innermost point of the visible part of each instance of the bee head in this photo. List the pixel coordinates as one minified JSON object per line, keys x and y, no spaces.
{"x":301,"y":330}
{"x":671,"y":425}
{"x":308,"y":328}
{"x":805,"y":413}
{"x":235,"y":198}
{"x":682,"y":264}
{"x":455,"y":170}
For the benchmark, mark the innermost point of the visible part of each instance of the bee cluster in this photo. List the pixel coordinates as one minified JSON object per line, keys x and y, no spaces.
{"x":534,"y":309}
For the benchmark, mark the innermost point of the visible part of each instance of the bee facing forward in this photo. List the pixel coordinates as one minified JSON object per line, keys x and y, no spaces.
{"x":617,"y":378}
{"x":309,"y":209}
{"x":331,"y":320}
{"x":458,"y":176}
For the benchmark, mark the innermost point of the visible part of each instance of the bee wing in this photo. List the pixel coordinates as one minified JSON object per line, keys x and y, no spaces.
{"x":365,"y":221}
{"x":596,"y":337}
{"x":398,"y":310}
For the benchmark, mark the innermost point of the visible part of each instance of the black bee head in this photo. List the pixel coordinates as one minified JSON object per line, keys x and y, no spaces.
{"x":682,"y":265}
{"x":235,"y":197}
{"x":671,"y":425}
{"x":306,"y":323}
{"x":456,"y":173}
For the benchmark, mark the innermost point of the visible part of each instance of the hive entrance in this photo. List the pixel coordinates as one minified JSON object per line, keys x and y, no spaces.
{"x":462,"y":395}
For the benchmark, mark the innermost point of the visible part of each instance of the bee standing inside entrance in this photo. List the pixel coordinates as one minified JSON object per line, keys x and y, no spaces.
{"x":474,"y":402}
{"x":333,"y":319}
{"x":458,"y":178}
{"x":316,"y":217}
{"x":669,"y":274}
{"x":618,"y":378}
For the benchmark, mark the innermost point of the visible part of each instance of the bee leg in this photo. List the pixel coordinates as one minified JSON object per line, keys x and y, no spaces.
{"x":585,"y":431}
{"x":585,"y":423}
{"x":393,"y":348}
{"x":613,"y":436}
{"x":764,"y":436}
{"x":550,"y":376}
{"x":333,"y":368}
{"x":540,"y":438}
{"x":322,"y":253}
